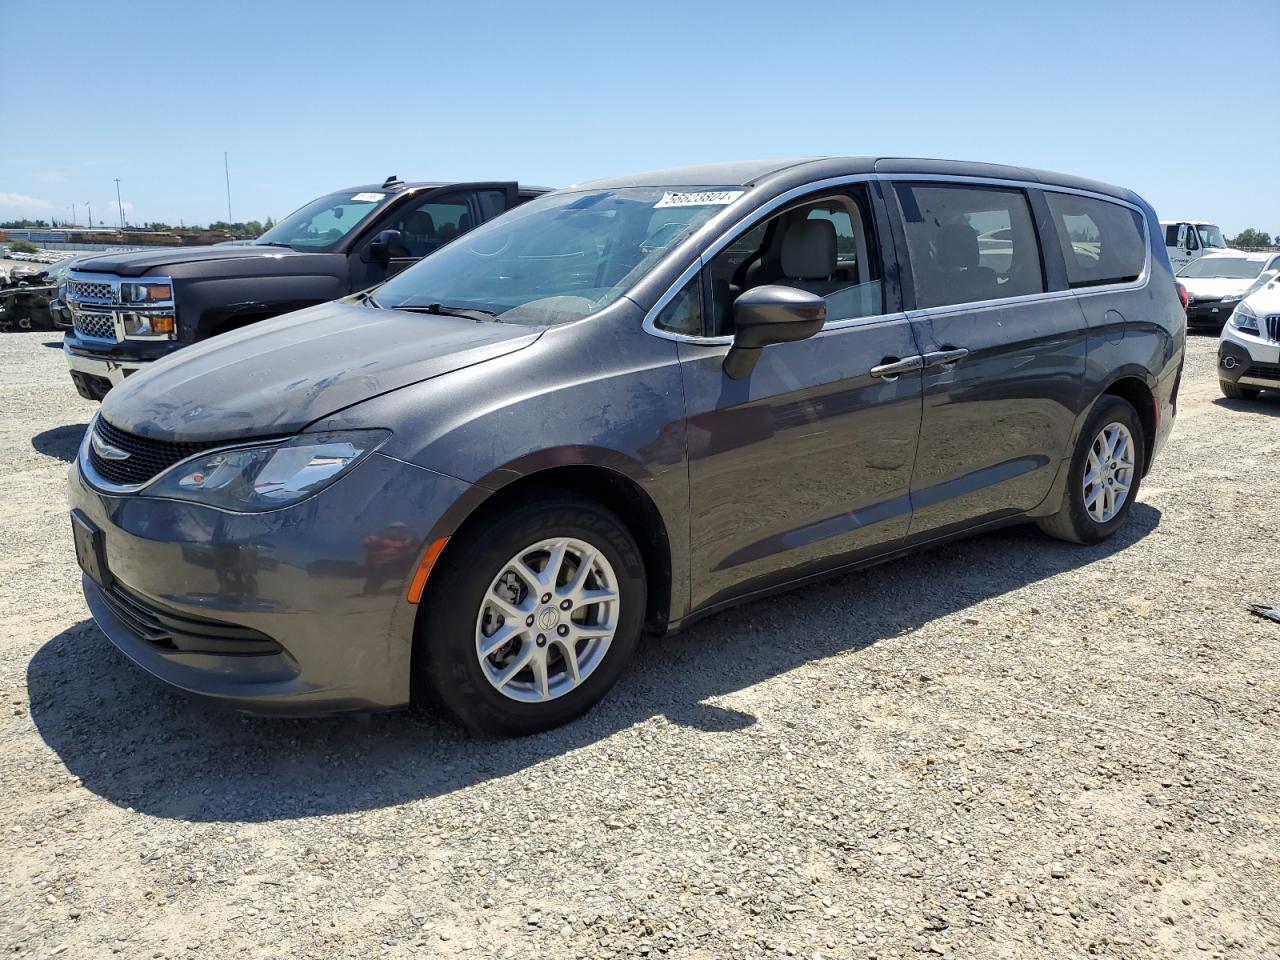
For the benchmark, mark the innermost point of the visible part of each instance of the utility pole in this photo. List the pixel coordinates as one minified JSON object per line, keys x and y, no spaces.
{"x":226,"y":169}
{"x":90,"y":206}
{"x":119,"y":205}
{"x":73,"y":215}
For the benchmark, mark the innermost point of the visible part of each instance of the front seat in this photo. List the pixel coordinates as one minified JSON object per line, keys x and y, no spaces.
{"x":419,"y":233}
{"x":808,"y":257}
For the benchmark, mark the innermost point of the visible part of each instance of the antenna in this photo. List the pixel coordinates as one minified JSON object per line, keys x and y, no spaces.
{"x":226,"y":169}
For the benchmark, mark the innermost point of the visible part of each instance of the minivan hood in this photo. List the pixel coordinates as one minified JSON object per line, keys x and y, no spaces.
{"x":274,"y":377}
{"x":142,"y":262}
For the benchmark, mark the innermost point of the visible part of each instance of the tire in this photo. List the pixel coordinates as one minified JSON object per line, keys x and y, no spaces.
{"x":1078,"y":521}
{"x":460,"y":607}
{"x":1233,"y":391}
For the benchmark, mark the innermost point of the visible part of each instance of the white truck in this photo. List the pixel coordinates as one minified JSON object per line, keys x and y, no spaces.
{"x":1188,"y":240}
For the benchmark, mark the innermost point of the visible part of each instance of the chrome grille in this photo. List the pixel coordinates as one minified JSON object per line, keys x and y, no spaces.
{"x":89,"y":290}
{"x":1273,"y":327}
{"x":98,"y":326}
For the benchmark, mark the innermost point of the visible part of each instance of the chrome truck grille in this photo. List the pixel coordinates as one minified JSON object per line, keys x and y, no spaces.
{"x":96,"y":326}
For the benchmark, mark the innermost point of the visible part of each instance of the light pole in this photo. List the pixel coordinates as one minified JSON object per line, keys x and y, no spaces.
{"x":119,"y":205}
{"x":73,"y":214}
{"x":90,"y":206}
{"x":226,"y":170}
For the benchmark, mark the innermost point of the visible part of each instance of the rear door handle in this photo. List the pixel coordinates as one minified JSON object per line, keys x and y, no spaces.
{"x":945,"y":357}
{"x":891,"y":368}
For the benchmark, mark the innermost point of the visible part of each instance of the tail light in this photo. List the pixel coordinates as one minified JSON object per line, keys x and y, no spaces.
{"x":1182,"y":294}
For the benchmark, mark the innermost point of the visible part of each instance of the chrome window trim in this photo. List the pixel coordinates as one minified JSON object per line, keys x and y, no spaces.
{"x":751,"y":218}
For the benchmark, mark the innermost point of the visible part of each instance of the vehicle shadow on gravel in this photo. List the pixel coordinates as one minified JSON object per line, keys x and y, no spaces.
{"x":138,"y":744}
{"x":61,"y":442}
{"x":1268,"y":404}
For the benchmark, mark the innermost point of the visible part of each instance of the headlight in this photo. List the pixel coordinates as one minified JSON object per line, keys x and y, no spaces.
{"x":145,"y":292}
{"x":268,"y":476}
{"x":155,"y":325}
{"x":1244,"y":319}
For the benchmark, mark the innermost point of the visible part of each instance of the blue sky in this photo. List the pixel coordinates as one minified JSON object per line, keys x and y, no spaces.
{"x":312,"y":96}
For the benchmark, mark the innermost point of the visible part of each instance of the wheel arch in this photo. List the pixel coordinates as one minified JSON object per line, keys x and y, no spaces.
{"x":613,"y":489}
{"x":1138,"y":394}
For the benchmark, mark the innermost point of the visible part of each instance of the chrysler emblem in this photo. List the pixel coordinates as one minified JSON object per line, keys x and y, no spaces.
{"x":105,"y":450}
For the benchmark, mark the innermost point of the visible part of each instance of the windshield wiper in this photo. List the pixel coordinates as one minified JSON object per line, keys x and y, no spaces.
{"x":441,"y":310}
{"x":272,"y":243}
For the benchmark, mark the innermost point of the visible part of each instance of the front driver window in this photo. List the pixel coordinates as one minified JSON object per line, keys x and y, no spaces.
{"x":429,"y":225}
{"x":825,"y":246}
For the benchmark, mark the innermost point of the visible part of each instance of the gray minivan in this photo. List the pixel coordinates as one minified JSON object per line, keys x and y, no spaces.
{"x":619,"y":407}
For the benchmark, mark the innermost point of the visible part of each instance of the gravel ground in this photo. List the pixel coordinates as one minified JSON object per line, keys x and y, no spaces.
{"x":1009,"y":747}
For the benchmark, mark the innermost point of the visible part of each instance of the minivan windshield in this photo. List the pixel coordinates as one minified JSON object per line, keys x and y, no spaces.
{"x":323,"y":222}
{"x":561,"y":257}
{"x":1227,"y":268}
{"x":1210,"y":237}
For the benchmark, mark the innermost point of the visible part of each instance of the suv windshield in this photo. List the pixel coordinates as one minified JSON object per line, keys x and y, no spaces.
{"x":323,"y":222}
{"x":1210,"y":237}
{"x":1229,"y":268}
{"x":560,"y":257}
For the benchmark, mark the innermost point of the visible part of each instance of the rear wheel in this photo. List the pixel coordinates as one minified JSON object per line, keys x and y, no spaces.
{"x":533,"y":617}
{"x":1105,"y":473}
{"x":1233,"y":391}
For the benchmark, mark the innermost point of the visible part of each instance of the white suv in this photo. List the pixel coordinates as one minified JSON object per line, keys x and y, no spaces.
{"x":1217,"y":282}
{"x":1249,"y":349}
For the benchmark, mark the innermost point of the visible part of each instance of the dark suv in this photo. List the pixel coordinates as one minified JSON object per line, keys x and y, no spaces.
{"x":618,"y":408}
{"x":132,"y":308}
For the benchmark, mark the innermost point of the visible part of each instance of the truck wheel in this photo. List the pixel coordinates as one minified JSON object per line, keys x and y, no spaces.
{"x":1105,"y":472}
{"x":533,"y":617}
{"x":1233,"y":391}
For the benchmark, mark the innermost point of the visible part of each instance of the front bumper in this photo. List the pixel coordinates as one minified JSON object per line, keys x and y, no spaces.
{"x":1249,"y":361}
{"x":94,"y":374}
{"x":1209,"y":313}
{"x":323,"y":582}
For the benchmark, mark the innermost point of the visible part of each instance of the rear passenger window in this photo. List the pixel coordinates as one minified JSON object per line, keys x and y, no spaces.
{"x":492,"y":203}
{"x":969,"y":244}
{"x":1102,"y":242}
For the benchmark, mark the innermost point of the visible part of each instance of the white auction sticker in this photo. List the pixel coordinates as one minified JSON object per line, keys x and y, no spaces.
{"x":369,"y":197}
{"x":708,"y":198}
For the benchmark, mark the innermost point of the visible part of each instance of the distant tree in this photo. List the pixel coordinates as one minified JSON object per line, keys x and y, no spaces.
{"x":24,"y":224}
{"x":157,"y":225}
{"x":22,"y":246}
{"x":268,"y":225}
{"x":1251,"y":238}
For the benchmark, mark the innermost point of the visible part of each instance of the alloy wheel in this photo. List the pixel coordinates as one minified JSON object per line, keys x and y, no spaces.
{"x":547,"y":620}
{"x":1108,"y":472}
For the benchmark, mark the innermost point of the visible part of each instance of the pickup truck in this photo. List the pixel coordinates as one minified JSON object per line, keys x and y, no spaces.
{"x":130,"y":309}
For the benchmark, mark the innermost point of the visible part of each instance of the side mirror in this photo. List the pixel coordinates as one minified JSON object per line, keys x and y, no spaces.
{"x":387,"y":244}
{"x":770,"y":314}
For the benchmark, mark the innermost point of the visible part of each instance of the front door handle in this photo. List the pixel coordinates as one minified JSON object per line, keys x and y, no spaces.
{"x":890,"y":368}
{"x":945,"y":357}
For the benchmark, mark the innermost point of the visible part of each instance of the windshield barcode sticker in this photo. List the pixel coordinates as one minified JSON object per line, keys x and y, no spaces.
{"x":369,"y":197}
{"x":708,"y":198}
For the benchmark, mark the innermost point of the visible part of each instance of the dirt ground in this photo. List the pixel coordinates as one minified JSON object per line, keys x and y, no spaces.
{"x":1006,"y":748}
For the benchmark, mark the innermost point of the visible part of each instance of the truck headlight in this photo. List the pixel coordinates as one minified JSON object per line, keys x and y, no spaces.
{"x":1244,"y":319}
{"x":268,"y":476}
{"x":156,"y":326}
{"x":146,"y":292}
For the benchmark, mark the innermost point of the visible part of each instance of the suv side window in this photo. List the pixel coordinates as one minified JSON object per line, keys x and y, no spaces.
{"x":826,"y":246}
{"x":429,"y":225}
{"x":1102,"y":242}
{"x":969,"y":244}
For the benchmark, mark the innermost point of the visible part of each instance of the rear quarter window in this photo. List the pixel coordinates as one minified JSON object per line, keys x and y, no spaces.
{"x":1102,"y":242}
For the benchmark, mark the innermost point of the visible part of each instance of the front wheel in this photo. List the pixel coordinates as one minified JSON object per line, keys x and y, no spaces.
{"x":533,"y":617}
{"x":1233,"y":391}
{"x":1105,"y":472}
